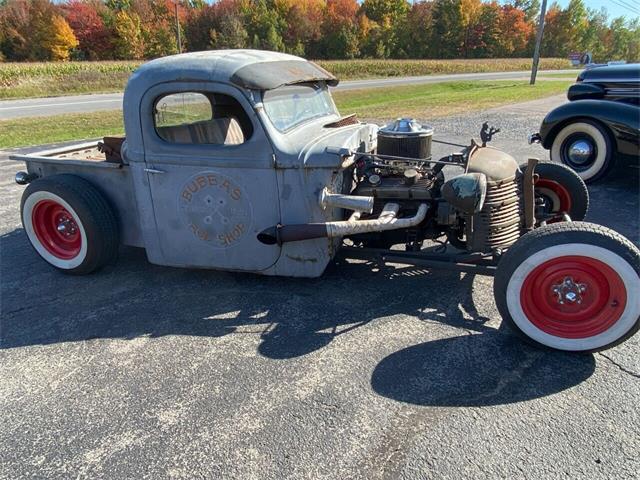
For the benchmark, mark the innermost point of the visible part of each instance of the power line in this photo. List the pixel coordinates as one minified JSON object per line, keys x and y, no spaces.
{"x":630,"y":5}
{"x":630,"y":8}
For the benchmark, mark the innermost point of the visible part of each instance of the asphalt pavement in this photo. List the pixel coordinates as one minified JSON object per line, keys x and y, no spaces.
{"x":49,"y":106}
{"x":368,"y":372}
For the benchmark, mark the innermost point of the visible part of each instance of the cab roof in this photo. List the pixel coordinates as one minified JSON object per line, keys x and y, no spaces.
{"x":252,"y":69}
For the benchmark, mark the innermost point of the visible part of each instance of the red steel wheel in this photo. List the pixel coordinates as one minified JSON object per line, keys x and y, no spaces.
{"x":69,"y":223}
{"x":573,"y":297}
{"x":570,"y":286}
{"x":557,"y":193}
{"x":56,"y":229}
{"x":561,"y":190}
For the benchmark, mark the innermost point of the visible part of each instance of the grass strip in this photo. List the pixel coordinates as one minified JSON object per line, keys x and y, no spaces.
{"x":20,"y":132}
{"x":442,"y":99}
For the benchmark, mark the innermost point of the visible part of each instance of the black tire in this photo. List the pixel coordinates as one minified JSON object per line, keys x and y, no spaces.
{"x":599,"y":163}
{"x":563,"y":190}
{"x":70,"y":223}
{"x":570,"y":286}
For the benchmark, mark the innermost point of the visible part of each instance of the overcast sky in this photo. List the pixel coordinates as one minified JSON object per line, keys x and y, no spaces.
{"x":616,"y":8}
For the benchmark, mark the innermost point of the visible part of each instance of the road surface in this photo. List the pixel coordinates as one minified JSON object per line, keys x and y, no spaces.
{"x":110,"y":101}
{"x":149,"y":372}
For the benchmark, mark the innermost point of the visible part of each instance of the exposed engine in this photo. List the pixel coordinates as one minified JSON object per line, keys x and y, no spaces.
{"x":401,"y":195}
{"x":478,"y":210}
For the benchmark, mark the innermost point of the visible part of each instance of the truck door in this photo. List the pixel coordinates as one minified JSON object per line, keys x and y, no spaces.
{"x":211,"y":177}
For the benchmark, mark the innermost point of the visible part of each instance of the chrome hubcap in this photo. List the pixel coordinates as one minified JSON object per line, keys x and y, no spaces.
{"x":569,"y":291}
{"x":66,"y":226}
{"x":580,"y":151}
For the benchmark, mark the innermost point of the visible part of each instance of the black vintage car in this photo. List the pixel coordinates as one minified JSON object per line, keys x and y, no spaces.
{"x":600,"y":125}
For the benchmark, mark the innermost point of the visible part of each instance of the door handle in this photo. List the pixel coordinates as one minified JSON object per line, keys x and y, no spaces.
{"x":153,"y":170}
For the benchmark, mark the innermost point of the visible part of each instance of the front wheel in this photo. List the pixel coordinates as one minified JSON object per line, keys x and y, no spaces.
{"x":586,"y":148}
{"x":570,"y":286}
{"x":559,"y":190}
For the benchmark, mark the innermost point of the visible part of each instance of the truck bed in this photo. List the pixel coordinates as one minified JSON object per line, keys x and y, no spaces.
{"x":112,"y":178}
{"x":85,"y":153}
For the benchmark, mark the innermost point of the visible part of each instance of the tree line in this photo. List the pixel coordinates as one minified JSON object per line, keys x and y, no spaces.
{"x":335,"y":29}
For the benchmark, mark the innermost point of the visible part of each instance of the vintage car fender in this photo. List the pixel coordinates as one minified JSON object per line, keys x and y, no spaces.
{"x":621,"y":119}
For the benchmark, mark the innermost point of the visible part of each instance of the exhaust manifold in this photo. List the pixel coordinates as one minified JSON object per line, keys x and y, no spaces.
{"x":387,"y":220}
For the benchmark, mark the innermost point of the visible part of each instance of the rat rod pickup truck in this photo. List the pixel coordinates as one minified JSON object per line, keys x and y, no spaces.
{"x":239,"y":160}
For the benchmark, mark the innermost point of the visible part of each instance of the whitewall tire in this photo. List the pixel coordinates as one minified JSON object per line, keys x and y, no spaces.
{"x":69,"y":223}
{"x":571,"y":286}
{"x":54,"y":229}
{"x":585,"y":147}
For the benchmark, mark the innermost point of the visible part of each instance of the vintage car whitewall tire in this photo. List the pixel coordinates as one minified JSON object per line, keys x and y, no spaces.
{"x":69,"y":223}
{"x":586,"y":147}
{"x":571,"y":286}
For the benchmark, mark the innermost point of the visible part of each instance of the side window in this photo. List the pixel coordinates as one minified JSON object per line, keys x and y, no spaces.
{"x":201,"y":118}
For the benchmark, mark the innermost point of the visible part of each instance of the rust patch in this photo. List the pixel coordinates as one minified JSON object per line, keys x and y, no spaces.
{"x":300,"y":259}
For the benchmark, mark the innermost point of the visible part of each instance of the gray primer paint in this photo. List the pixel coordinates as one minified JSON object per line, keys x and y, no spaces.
{"x":274,"y":177}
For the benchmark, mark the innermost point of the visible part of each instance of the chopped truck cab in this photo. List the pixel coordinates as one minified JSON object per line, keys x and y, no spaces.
{"x":239,"y":160}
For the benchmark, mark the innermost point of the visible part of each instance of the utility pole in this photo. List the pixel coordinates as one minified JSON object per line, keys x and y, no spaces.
{"x":536,"y":53}
{"x":178,"y":29}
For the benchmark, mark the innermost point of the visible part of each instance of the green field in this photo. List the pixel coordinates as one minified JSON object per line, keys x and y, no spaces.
{"x":420,"y":101}
{"x":28,"y":80}
{"x":60,"y":128}
{"x":441,"y":99}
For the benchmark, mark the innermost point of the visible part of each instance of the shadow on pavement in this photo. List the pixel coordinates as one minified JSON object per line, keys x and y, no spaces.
{"x":293,"y":317}
{"x":477,"y":370}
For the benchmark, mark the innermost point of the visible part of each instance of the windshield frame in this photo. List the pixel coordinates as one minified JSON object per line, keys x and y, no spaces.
{"x":319,"y":86}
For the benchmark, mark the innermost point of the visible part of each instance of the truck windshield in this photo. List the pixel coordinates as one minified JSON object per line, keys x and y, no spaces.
{"x":292,"y":105}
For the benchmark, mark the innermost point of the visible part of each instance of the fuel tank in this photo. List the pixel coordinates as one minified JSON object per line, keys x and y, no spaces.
{"x":495,"y":164}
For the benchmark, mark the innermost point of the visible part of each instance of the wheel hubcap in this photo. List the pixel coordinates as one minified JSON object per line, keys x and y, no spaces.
{"x":569,"y":291}
{"x":56,"y":229}
{"x":573,"y":297}
{"x":580,"y":152}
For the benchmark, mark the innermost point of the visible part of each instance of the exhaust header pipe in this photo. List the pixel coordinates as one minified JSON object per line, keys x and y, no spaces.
{"x":348,"y":202}
{"x":386,"y":221}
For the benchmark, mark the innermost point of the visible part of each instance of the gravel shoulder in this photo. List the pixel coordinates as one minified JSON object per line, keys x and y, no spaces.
{"x":369,"y":372}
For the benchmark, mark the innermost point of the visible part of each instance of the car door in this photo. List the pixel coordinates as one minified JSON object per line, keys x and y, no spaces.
{"x":211,"y":176}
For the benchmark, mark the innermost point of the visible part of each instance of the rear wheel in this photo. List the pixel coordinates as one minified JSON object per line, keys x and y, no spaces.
{"x":69,"y":223}
{"x":561,"y":191}
{"x":570,"y":286}
{"x":585,"y":147}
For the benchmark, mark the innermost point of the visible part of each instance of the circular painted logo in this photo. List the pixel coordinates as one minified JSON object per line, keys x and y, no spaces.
{"x":215,"y":208}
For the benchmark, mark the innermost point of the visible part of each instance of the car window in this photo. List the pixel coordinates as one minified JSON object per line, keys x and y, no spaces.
{"x":201,"y":118}
{"x":292,"y":105}
{"x":182,"y":109}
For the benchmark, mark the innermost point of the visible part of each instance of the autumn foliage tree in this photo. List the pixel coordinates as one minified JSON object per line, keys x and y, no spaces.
{"x":339,"y":30}
{"x":60,"y":39}
{"x":515,"y":32}
{"x":139,"y":29}
{"x":128,"y":41}
{"x":35,"y":30}
{"x":95,"y":39}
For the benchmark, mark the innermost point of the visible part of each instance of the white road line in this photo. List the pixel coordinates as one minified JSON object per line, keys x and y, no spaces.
{"x":119,"y":100}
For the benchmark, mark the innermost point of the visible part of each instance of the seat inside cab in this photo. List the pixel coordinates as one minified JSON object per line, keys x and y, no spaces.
{"x":220,"y":131}
{"x":202,"y":118}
